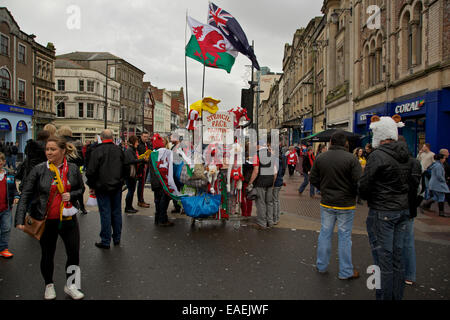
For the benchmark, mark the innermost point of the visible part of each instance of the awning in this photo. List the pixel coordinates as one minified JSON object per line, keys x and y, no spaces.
{"x":325,"y":136}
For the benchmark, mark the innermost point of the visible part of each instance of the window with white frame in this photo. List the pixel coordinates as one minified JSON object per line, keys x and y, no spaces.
{"x":61,"y":110}
{"x":81,"y":85}
{"x":5,"y":84}
{"x":21,"y":49}
{"x":90,"y":110}
{"x":90,"y":86}
{"x":81,"y":110}
{"x":61,"y":85}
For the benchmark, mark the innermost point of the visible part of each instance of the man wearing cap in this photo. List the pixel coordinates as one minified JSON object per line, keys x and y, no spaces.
{"x":385,"y":185}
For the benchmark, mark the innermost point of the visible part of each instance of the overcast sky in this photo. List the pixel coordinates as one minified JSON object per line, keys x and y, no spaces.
{"x":150,"y":34}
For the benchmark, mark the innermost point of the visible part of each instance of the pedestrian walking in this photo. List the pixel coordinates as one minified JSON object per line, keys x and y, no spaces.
{"x":308,"y":161}
{"x":359,"y":154}
{"x":368,"y":149}
{"x":8,"y":196}
{"x":426,"y":158}
{"x":247,"y":169}
{"x":446,"y":165}
{"x":385,"y":186}
{"x":50,"y":188}
{"x":263,"y":179}
{"x":8,"y":154}
{"x":292,"y":160}
{"x":34,"y":154}
{"x":409,"y":250}
{"x":281,"y":171}
{"x":142,"y":172}
{"x":336,"y":173}
{"x":14,"y":153}
{"x":437,"y":186}
{"x":105,"y":178}
{"x":76,"y":158}
{"x":131,"y":161}
{"x":162,"y":199}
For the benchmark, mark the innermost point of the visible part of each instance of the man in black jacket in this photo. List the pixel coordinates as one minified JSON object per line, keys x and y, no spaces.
{"x":142,"y":170}
{"x":106,"y":176}
{"x":385,"y":185}
{"x":336,"y":173}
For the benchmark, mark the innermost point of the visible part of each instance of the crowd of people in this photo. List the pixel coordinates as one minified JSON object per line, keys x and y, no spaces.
{"x":52,"y":187}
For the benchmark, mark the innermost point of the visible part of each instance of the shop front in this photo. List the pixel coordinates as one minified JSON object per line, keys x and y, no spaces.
{"x":15,"y":125}
{"x":363,"y":119}
{"x":426,"y":117}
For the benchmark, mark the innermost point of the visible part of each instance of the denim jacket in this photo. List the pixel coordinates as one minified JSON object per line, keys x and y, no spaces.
{"x":437,"y":181}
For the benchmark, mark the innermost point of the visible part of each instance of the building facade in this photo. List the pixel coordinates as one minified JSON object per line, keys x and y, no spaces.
{"x":80,"y":96}
{"x":26,"y":91}
{"x":131,"y":85}
{"x":149,"y":107}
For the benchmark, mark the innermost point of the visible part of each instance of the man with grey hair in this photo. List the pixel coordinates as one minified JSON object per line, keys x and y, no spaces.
{"x":105,"y":177}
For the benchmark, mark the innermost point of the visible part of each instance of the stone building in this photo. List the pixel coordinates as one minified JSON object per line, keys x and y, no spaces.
{"x":163,"y":110}
{"x":131,"y":84}
{"x":26,"y":82}
{"x":149,"y":107}
{"x":80,"y":97}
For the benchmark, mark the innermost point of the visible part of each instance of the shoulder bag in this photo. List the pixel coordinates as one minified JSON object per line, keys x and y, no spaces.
{"x":34,"y":227}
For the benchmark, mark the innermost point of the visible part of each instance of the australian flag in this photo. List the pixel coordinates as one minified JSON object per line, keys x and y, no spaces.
{"x":231,"y":29}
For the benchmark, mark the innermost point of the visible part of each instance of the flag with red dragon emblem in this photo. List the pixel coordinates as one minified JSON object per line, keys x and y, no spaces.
{"x":208,"y":46}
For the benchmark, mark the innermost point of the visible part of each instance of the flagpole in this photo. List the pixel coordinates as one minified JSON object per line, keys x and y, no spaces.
{"x":185,"y":66}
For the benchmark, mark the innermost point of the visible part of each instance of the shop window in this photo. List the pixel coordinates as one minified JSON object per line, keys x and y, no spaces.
{"x":61,"y":110}
{"x":5,"y":84}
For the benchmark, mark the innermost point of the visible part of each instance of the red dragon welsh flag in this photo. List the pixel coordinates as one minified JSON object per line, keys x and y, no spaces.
{"x":208,"y":46}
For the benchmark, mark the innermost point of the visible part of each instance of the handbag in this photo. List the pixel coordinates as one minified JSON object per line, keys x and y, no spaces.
{"x":34,"y":227}
{"x":252,"y":195}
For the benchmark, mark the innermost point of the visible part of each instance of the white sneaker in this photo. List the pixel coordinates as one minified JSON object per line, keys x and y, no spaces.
{"x":73,"y":292}
{"x":50,"y":293}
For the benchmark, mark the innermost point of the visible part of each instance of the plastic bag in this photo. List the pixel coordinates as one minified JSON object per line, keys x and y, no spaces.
{"x":201,"y":206}
{"x":92,"y":201}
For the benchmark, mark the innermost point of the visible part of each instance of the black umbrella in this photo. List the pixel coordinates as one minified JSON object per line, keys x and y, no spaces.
{"x":325,"y":136}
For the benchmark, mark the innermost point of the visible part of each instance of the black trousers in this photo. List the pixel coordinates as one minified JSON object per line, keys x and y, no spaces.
{"x":141,"y":184}
{"x":162,"y":201}
{"x":291,"y":170}
{"x":70,"y":234}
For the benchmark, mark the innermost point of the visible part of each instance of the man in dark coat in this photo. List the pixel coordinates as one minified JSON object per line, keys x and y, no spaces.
{"x":105,"y":177}
{"x":142,"y":170}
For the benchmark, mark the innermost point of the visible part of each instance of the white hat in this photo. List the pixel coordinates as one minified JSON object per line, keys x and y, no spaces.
{"x":385,"y":128}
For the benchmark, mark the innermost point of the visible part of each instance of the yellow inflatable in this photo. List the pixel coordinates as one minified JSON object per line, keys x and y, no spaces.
{"x":208,"y":104}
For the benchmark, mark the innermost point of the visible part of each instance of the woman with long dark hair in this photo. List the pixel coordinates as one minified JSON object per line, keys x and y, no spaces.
{"x":131,"y":161}
{"x":48,"y":191}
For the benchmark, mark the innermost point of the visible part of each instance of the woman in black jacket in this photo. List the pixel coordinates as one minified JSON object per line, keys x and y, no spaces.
{"x":48,"y":191}
{"x":132,"y":162}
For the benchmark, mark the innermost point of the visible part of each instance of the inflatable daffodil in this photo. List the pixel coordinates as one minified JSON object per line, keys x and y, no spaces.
{"x":208,"y":104}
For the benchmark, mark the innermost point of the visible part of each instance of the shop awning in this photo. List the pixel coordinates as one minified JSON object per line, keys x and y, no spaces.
{"x":325,"y":136}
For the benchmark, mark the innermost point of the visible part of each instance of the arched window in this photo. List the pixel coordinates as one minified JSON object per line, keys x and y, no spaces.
{"x":379,"y":59}
{"x":5,"y":84}
{"x":61,"y":110}
{"x":405,"y":43}
{"x":366,"y":67}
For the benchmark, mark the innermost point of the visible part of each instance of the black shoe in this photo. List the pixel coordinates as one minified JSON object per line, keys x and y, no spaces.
{"x":84,"y":212}
{"x":117,"y":243}
{"x":175,"y":211}
{"x":166,"y":224}
{"x":101,"y":245}
{"x":131,"y":210}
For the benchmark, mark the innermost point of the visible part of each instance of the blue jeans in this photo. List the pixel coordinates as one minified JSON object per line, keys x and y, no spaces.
{"x":409,"y":252}
{"x":110,"y":207}
{"x":305,"y":184}
{"x":5,"y":228}
{"x":386,"y":230}
{"x":13,"y":161}
{"x":344,"y":219}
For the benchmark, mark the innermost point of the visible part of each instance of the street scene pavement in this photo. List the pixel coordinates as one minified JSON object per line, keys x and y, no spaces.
{"x":214,"y":260}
